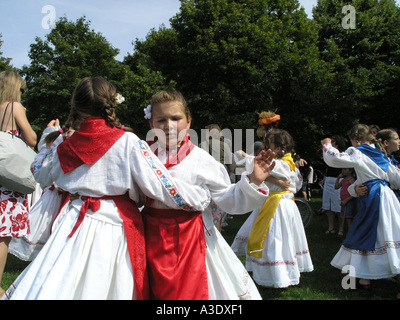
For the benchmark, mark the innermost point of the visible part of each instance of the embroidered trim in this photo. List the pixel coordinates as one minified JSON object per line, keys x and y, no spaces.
{"x":277,"y":263}
{"x":377,"y":251}
{"x":167,"y":184}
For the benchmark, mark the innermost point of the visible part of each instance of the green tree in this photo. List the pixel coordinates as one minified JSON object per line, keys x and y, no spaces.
{"x":70,"y":52}
{"x":5,"y":63}
{"x":365,"y":60}
{"x":234,"y":58}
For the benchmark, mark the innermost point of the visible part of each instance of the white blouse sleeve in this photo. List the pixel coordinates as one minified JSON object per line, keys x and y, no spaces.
{"x":155,"y":182}
{"x":46,"y":131}
{"x":352,"y":188}
{"x":394,"y":176}
{"x":336,"y":159}
{"x":41,"y":166}
{"x":238,"y":198}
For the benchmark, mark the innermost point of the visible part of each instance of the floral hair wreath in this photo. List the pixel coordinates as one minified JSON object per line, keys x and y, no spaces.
{"x":267,"y":121}
{"x":147,"y":112}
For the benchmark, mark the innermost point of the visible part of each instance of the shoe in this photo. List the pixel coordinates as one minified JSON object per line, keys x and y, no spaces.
{"x":340,"y":234}
{"x":330,"y":231}
{"x":364,"y":288}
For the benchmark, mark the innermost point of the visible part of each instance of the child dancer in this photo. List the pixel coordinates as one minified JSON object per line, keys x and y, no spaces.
{"x":389,"y":139}
{"x":97,"y":249}
{"x":50,"y":203}
{"x":273,"y":238}
{"x":44,"y":210}
{"x":188,"y":258}
{"x":347,"y":203}
{"x":371,"y":245}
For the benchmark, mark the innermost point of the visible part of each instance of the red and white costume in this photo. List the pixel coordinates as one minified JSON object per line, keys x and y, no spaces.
{"x":42,"y":213}
{"x":97,"y":249}
{"x":187,"y":256}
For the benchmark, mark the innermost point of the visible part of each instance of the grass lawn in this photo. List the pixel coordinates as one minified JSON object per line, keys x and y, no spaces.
{"x":324,"y":283}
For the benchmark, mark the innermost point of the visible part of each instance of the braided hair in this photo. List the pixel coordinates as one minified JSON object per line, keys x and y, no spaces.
{"x":362,"y":133}
{"x":95,"y":97}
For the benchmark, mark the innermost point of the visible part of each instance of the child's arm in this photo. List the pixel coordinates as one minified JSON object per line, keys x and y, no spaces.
{"x":280,"y":182}
{"x":338,"y":183}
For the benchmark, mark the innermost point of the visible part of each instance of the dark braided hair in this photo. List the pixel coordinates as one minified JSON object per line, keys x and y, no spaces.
{"x":95,"y":97}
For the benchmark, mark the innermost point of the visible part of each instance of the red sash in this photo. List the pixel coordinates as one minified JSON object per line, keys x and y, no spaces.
{"x":176,"y":246}
{"x":87,"y":145}
{"x":134,"y":231}
{"x":176,"y":254}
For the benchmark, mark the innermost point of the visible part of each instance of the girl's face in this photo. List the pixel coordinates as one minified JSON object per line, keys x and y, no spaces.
{"x":392,"y":145}
{"x":69,"y":133}
{"x":171,"y":123}
{"x":354,"y":142}
{"x":346,"y":172}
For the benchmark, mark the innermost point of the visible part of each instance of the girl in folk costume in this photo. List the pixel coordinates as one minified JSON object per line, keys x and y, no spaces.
{"x":49,"y":205}
{"x":389,"y":139}
{"x":187,"y":256}
{"x":14,"y":206}
{"x":273,"y":238}
{"x":371,"y":246}
{"x":97,"y":249}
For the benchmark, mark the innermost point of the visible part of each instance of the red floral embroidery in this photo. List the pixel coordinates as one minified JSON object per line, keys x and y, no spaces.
{"x":3,"y":205}
{"x":19,"y":222}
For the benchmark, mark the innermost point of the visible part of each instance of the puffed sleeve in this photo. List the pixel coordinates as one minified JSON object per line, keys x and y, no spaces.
{"x":352,"y":188}
{"x":41,"y":166}
{"x":336,"y":159}
{"x":394,"y":176}
{"x":237,"y":198}
{"x":46,"y":131}
{"x":155,"y":182}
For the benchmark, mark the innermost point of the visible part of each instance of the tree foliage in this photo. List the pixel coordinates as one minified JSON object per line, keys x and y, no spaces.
{"x":365,"y":60}
{"x":5,"y":63}
{"x":233,"y":59}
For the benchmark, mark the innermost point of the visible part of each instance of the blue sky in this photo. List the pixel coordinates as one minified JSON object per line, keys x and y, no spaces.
{"x":120,"y":21}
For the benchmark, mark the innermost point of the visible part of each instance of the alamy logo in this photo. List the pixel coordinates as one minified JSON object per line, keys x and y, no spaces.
{"x":349,"y":281}
{"x":49,"y":20}
{"x":349,"y":21}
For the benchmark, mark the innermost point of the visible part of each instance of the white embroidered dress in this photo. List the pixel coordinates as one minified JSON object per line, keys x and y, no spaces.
{"x":41,"y":214}
{"x":227,"y":277}
{"x":95,"y":263}
{"x":384,"y":261}
{"x":285,"y":250}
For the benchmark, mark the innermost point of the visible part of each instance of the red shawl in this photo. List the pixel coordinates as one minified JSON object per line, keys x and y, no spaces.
{"x":87,"y":145}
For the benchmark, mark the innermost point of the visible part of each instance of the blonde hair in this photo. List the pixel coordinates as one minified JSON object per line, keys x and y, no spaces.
{"x":10,"y":86}
{"x":385,"y":135}
{"x":362,"y":132}
{"x":170,"y":95}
